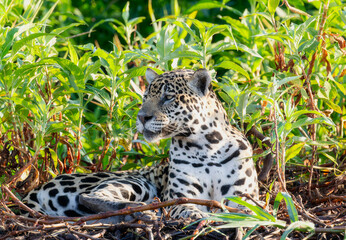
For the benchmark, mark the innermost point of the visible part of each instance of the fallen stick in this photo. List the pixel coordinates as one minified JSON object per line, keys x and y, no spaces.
{"x":20,"y":203}
{"x":126,"y":211}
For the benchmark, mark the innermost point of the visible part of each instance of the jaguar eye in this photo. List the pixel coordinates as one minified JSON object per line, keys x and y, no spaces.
{"x":168,"y":98}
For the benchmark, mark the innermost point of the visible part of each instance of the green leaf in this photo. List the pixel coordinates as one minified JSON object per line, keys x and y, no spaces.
{"x":260,"y":213}
{"x":309,"y":121}
{"x":262,"y":14}
{"x":165,"y":43}
{"x":242,"y":102}
{"x":26,"y":103}
{"x":176,"y":8}
{"x":92,"y":69}
{"x":249,"y":232}
{"x":104,"y":21}
{"x":304,"y":93}
{"x":73,"y":53}
{"x":272,"y":5}
{"x":4,"y":48}
{"x":135,"y":72}
{"x":225,"y":97}
{"x":333,"y":106}
{"x":214,"y":30}
{"x":339,"y":86}
{"x":329,"y":157}
{"x":231,"y":46}
{"x":234,"y":67}
{"x":73,"y":72}
{"x":308,"y":46}
{"x":298,"y":225}
{"x":292,"y":211}
{"x":109,"y":61}
{"x":301,"y":30}
{"x":294,"y":150}
{"x":182,"y":53}
{"x":51,"y":172}
{"x":48,"y":13}
{"x":19,"y":44}
{"x":238,"y":26}
{"x":276,"y":36}
{"x":302,"y":112}
{"x":204,"y":4}
{"x":135,"y":21}
{"x":137,"y":54}
{"x":287,"y":79}
{"x":126,"y":13}
{"x":201,"y":27}
{"x":59,"y":31}
{"x":55,"y":127}
{"x":182,"y":23}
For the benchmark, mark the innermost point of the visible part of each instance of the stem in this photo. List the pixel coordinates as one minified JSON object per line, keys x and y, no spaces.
{"x":79,"y":131}
{"x":204,"y":56}
{"x":281,"y":169}
{"x":307,"y":78}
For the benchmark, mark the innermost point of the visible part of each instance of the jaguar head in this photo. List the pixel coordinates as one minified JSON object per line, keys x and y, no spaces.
{"x":172,"y":103}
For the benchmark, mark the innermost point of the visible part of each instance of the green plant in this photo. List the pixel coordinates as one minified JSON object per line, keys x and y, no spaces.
{"x":261,"y":217}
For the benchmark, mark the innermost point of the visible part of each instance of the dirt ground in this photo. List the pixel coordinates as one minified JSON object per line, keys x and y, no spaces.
{"x":323,"y":204}
{"x":327,"y":211}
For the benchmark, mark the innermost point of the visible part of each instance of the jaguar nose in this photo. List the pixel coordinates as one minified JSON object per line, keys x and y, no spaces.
{"x":144,"y":117}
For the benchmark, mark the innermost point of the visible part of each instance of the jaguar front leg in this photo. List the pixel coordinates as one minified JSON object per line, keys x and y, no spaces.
{"x":182,"y":185}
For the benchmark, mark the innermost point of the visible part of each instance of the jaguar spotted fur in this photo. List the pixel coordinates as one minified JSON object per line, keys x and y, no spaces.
{"x":209,"y":159}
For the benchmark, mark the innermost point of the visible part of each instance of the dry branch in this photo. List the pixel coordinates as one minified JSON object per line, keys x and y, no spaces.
{"x":307,"y":78}
{"x":20,"y":203}
{"x":127,"y":211}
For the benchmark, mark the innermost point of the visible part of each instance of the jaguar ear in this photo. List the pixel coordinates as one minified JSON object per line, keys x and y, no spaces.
{"x":200,"y":82}
{"x":150,"y":75}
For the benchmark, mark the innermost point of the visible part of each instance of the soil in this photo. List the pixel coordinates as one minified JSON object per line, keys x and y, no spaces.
{"x":323,"y":204}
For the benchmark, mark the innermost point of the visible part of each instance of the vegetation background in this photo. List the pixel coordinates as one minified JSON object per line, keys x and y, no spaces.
{"x":71,"y":83}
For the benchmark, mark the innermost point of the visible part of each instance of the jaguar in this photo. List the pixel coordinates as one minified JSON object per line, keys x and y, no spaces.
{"x":209,"y":158}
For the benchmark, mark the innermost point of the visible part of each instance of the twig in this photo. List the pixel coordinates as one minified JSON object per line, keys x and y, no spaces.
{"x":311,"y":218}
{"x":321,"y":209}
{"x":19,"y":203}
{"x":304,"y":213}
{"x":127,"y":211}
{"x":330,"y":230}
{"x":23,"y":169}
{"x":330,"y":198}
{"x":105,"y":148}
{"x":248,"y":196}
{"x":201,"y":224}
{"x":94,"y":237}
{"x":295,"y":10}
{"x":150,"y":233}
{"x":6,"y":208}
{"x":310,"y":93}
{"x":80,"y":34}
